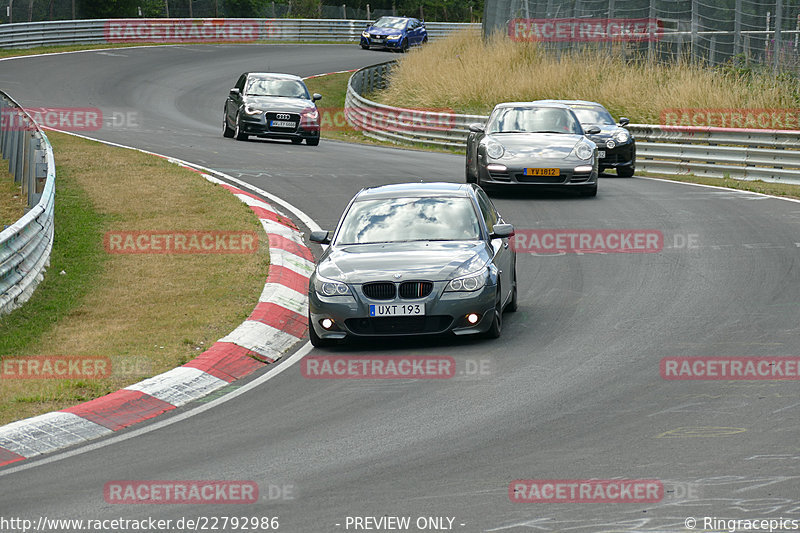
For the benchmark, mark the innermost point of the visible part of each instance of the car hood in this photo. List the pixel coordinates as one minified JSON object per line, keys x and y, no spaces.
{"x":606,"y":131}
{"x":278,"y":103}
{"x":384,"y":31}
{"x":431,"y":261}
{"x":539,"y":145}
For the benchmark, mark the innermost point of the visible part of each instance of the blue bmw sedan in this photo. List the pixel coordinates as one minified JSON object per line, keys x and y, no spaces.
{"x":394,"y":33}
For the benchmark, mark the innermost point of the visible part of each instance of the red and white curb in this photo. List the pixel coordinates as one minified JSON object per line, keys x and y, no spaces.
{"x":276,"y":324}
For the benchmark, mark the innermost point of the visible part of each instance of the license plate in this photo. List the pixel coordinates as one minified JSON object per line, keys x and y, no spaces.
{"x":542,"y":172}
{"x":397,"y":310}
{"x":601,"y":154}
{"x":282,"y":124}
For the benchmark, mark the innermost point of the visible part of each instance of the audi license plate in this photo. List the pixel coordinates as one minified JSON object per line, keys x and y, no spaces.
{"x":282,"y":124}
{"x":397,"y":310}
{"x":542,"y":172}
{"x":601,"y":154}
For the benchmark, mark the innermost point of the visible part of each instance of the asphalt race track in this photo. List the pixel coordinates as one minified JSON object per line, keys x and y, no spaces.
{"x":571,"y":391}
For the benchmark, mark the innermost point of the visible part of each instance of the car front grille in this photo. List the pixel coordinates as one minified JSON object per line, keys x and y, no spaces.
{"x":381,"y":290}
{"x":399,"y":325}
{"x":415,"y":289}
{"x":522,"y":178}
{"x":292,"y":117}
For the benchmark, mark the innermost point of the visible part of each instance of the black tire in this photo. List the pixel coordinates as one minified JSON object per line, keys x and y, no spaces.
{"x":404,"y":46}
{"x":513,"y":305}
{"x":471,"y":178}
{"x":625,"y":172}
{"x":297,"y":140}
{"x":238,"y":133}
{"x":316,"y":340}
{"x":227,"y":131}
{"x":496,"y":329}
{"x":590,"y":190}
{"x":312,"y":141}
{"x":364,"y":47}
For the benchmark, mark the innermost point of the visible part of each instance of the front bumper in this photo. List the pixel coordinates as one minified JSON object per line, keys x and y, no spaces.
{"x":381,"y":43}
{"x":514,"y":176}
{"x":620,"y":156}
{"x":444,"y":312}
{"x":258,"y":125}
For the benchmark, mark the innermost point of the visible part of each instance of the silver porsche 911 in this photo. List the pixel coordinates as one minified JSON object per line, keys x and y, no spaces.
{"x":532,"y":144}
{"x":413,"y":259}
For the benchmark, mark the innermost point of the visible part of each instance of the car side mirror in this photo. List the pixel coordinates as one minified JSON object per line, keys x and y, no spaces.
{"x":320,"y":237}
{"x":235,"y":91}
{"x":476,"y":128}
{"x":624,"y":121}
{"x":502,"y":231}
{"x":315,"y":97}
{"x":594,"y":130}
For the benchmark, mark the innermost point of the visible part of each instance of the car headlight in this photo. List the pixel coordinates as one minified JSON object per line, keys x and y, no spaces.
{"x":584,"y":151}
{"x":329,"y":287}
{"x":494,"y":149}
{"x":622,"y":136}
{"x":310,"y":114}
{"x":393,"y":37}
{"x":365,"y":34}
{"x":252,"y":110}
{"x":469,"y":283}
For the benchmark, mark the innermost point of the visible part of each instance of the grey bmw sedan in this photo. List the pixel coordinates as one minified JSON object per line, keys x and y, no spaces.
{"x":413,"y":259}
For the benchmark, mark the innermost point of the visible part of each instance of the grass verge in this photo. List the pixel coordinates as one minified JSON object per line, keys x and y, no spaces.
{"x":147,"y":313}
{"x":333,"y":87}
{"x":12,"y":201}
{"x":470,"y":75}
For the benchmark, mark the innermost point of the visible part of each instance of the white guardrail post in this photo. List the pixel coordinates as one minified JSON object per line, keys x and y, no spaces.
{"x":26,"y":244}
{"x":745,"y":154}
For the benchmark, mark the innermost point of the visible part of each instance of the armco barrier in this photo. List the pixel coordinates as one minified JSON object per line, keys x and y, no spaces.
{"x":746,"y":154}
{"x":25,"y":245}
{"x":102,"y":31}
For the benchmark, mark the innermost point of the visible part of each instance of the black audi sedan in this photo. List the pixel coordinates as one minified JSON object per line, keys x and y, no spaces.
{"x":615,"y":144}
{"x":270,"y":105}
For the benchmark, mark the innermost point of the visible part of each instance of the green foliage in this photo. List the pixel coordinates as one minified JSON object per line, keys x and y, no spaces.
{"x":92,"y":9}
{"x":244,"y":8}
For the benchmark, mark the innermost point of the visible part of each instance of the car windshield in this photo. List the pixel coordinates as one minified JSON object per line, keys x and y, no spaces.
{"x":410,"y":219}
{"x":532,"y":120}
{"x":276,"y":87}
{"x":593,"y":115}
{"x":390,"y":22}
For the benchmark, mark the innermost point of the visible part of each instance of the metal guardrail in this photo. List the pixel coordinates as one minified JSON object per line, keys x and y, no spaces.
{"x":745,"y":154}
{"x":100,"y":31}
{"x":25,"y":245}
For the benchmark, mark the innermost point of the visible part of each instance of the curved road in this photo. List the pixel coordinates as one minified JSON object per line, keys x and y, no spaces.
{"x":571,"y":391}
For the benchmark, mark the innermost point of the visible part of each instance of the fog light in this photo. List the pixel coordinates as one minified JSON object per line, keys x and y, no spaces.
{"x":327,"y":323}
{"x":496,"y":168}
{"x":583,"y":169}
{"x":610,"y":144}
{"x":473,"y":318}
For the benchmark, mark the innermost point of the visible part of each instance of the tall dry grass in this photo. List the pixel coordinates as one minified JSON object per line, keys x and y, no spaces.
{"x":471,"y":75}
